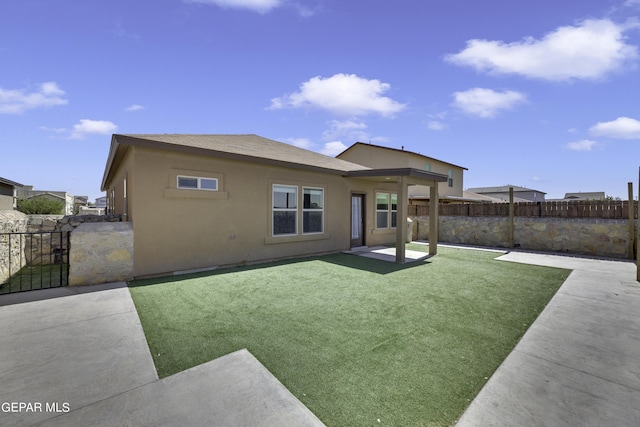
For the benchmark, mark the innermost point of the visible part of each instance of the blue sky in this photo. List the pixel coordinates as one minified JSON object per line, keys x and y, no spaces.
{"x":541,"y":94}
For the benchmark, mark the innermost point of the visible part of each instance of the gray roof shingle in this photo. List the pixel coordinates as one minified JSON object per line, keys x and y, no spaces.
{"x":249,"y":146}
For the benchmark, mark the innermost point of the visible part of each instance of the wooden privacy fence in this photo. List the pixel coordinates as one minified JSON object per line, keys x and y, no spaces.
{"x":604,"y":209}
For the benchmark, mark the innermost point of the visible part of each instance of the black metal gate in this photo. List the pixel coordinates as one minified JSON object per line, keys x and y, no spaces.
{"x":30,"y":261}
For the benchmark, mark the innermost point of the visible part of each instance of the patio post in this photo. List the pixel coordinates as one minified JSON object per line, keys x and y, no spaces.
{"x":401,"y":219}
{"x":433,"y":218}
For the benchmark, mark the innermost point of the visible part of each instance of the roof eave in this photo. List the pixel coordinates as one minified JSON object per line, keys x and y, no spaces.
{"x":118,"y":140}
{"x":395,"y":172}
{"x":401,"y":151}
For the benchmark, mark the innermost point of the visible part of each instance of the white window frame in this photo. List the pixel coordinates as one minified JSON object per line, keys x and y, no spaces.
{"x":389,"y":211}
{"x":383,"y":210}
{"x":393,"y":211}
{"x":199,"y":180}
{"x":450,"y":178}
{"x":320,"y":209}
{"x":275,"y":209}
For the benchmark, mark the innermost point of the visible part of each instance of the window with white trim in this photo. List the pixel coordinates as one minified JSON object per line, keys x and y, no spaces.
{"x":450,"y":178}
{"x":197,"y":183}
{"x":285,"y":210}
{"x":312,"y":210}
{"x":386,"y":210}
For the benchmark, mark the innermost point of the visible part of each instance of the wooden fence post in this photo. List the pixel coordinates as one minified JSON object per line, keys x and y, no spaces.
{"x":511,"y":222}
{"x":631,"y":220}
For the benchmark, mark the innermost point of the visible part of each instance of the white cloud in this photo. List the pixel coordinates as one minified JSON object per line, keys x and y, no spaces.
{"x":588,"y":50}
{"x":436,"y":125}
{"x":87,"y":127}
{"x":351,"y":129}
{"x":135,"y":107}
{"x":53,"y":130}
{"x":342,"y":94}
{"x":300,"y":142}
{"x":333,"y":148}
{"x":260,"y":6}
{"x":486,"y":103}
{"x":620,"y":128}
{"x":17,"y":101}
{"x":583,"y":145}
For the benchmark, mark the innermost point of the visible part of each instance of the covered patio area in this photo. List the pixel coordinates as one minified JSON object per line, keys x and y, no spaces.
{"x":404,"y":177}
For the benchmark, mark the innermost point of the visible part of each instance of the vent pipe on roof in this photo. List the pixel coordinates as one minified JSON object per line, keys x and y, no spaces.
{"x":403,"y":148}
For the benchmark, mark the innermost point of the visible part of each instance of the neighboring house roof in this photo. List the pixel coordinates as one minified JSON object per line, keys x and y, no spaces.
{"x":469,"y":197}
{"x":597,"y":195}
{"x":45,"y":193}
{"x":402,"y":151}
{"x":9,"y":182}
{"x":251,"y":148}
{"x":501,"y":189}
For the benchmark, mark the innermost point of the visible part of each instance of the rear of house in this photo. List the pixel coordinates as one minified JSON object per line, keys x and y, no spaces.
{"x":200,"y":201}
{"x":377,"y":156}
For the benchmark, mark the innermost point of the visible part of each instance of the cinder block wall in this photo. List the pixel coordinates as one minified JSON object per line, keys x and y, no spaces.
{"x":101,"y":253}
{"x":598,"y":237}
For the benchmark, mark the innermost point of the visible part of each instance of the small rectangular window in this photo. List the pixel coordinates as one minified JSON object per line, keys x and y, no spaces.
{"x":197,"y":183}
{"x":450,"y":179}
{"x":285,"y":210}
{"x":386,"y":210}
{"x":312,"y":210}
{"x":209,"y":184}
{"x":382,"y":210}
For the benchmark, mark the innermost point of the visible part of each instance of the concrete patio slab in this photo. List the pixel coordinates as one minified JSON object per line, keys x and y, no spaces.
{"x":384,"y":253}
{"x":579,"y":363}
{"x":68,"y":352}
{"x":77,"y":356}
{"x":233,"y":390}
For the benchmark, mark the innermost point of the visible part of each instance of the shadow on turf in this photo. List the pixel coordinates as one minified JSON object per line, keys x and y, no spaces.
{"x":345,"y":260}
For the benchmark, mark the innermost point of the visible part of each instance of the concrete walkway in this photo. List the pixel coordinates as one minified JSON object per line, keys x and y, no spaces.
{"x":579,"y":363}
{"x":77,"y":356}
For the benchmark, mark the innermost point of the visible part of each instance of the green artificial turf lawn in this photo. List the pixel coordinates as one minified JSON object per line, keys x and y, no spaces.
{"x":357,"y":340}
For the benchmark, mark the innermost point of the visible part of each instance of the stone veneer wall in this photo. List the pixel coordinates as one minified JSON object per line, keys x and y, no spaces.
{"x":27,"y":250}
{"x":10,"y":248}
{"x":598,"y":237}
{"x":100,"y":253}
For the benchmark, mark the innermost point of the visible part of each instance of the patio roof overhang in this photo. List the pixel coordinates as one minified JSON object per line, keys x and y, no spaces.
{"x":413,"y":176}
{"x":404,"y":177}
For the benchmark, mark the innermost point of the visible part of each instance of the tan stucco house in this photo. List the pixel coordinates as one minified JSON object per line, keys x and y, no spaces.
{"x":377,"y":156}
{"x":27,"y":192}
{"x":520,"y":194}
{"x":8,"y":194}
{"x":201,"y":201}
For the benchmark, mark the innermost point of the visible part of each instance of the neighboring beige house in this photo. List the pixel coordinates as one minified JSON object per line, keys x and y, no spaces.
{"x":201,"y":201}
{"x":592,"y":195}
{"x":520,"y":194}
{"x":27,"y":192}
{"x":377,"y":156}
{"x":101,"y":202}
{"x":8,"y":194}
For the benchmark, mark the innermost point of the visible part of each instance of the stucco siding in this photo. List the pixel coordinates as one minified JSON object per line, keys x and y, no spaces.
{"x":380,"y":157}
{"x":176,"y":229}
